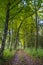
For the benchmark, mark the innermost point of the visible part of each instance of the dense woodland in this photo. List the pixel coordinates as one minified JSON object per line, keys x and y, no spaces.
{"x":21,"y":25}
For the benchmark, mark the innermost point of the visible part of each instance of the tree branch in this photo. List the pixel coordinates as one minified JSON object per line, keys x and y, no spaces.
{"x":15,"y":5}
{"x":16,"y":13}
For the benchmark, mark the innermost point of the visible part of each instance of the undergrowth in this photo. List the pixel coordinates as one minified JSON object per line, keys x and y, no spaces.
{"x":34,"y":53}
{"x":7,"y":55}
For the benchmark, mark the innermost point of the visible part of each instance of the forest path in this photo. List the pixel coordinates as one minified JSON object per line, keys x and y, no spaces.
{"x":21,"y":58}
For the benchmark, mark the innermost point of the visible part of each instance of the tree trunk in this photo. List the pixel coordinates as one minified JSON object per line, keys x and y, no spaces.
{"x":9,"y":40}
{"x":36,"y":45}
{"x":5,"y":31}
{"x":16,"y":40}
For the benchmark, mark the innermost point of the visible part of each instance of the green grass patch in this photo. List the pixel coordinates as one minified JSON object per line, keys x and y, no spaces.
{"x":34,"y":53}
{"x":8,"y":54}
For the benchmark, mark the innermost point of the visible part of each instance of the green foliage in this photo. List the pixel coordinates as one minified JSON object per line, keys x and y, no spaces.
{"x":34,"y":53}
{"x":20,"y":12}
{"x":8,"y":54}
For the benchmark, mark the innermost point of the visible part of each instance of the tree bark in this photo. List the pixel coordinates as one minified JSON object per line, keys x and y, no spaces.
{"x":5,"y":31}
{"x":36,"y":45}
{"x":9,"y":40}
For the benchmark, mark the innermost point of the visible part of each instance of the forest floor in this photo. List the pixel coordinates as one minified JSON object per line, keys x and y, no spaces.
{"x":22,"y":58}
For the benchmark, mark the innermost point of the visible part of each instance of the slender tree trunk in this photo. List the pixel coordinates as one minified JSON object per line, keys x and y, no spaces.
{"x":5,"y":31}
{"x":16,"y":40}
{"x":36,"y":45}
{"x":36,"y":19}
{"x":17,"y":35}
{"x":9,"y":40}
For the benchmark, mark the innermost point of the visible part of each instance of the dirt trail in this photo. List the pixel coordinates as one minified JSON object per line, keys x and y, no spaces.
{"x":21,"y":58}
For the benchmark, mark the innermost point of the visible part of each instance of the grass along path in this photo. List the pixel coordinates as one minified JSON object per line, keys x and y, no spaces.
{"x":22,"y":58}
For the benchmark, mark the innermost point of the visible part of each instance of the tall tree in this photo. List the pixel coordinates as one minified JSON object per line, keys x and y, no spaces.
{"x":5,"y":30}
